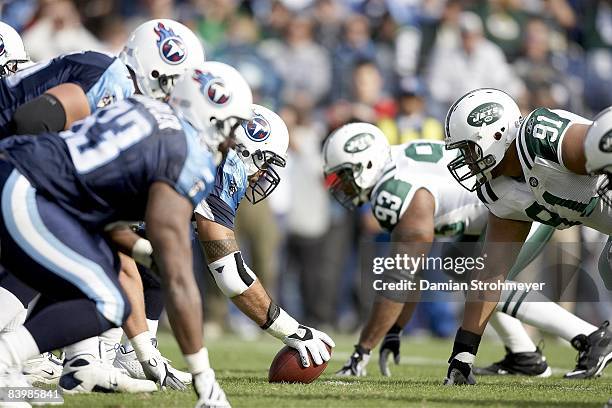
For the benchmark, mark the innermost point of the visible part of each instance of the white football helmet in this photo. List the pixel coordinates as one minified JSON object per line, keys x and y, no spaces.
{"x":12,"y":51}
{"x":214,"y":98}
{"x":355,"y":156}
{"x":262,"y":144}
{"x":598,"y":151}
{"x":481,"y":124}
{"x":157,"y":52}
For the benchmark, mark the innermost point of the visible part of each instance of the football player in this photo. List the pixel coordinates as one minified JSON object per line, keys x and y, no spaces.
{"x":524,"y":170}
{"x":414,"y":198}
{"x":248,"y":170}
{"x":135,"y":159}
{"x":156,"y":53}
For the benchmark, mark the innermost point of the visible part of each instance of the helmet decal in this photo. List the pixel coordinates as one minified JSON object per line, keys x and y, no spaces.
{"x":358,"y":143}
{"x":487,"y":113}
{"x":2,"y":49}
{"x":605,"y":143}
{"x":257,"y":129}
{"x":213,"y":87}
{"x":171,"y":47}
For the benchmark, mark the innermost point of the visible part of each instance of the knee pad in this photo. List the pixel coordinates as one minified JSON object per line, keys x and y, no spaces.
{"x":231,"y":274}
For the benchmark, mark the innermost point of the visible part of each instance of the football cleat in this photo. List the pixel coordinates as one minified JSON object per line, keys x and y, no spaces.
{"x":84,"y":373}
{"x":128,"y":361}
{"x":594,"y":353}
{"x":356,"y":364}
{"x":532,"y":364}
{"x":459,"y":373}
{"x":43,"y":369}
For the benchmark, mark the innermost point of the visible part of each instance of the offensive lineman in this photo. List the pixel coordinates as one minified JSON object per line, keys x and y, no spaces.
{"x":413,"y":196}
{"x":155,"y":54}
{"x":248,"y":171}
{"x":524,"y":170}
{"x":136,"y":159}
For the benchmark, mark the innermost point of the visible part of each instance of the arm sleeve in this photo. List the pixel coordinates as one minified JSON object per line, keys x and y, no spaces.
{"x":42,"y":114}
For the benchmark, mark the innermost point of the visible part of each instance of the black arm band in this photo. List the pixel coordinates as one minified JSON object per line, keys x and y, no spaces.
{"x":273,"y":313}
{"x":43,"y":114}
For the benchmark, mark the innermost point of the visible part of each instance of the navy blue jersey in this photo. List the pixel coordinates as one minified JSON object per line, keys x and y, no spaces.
{"x":103,"y":78}
{"x":101,"y":169}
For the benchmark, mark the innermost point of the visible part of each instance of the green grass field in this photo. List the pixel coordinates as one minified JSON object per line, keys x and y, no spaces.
{"x":242,"y":370}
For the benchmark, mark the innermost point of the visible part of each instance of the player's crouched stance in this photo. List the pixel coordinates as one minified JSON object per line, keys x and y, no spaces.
{"x":526,"y":170}
{"x":136,"y":159}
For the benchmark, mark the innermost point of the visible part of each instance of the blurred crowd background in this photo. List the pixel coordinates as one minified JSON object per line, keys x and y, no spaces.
{"x":322,"y":63}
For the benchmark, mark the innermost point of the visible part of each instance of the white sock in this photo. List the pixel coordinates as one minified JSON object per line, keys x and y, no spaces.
{"x":512,"y":333}
{"x":152,"y":325}
{"x":87,"y":346}
{"x":11,"y":307}
{"x":110,"y":339}
{"x":552,"y":318}
{"x":16,"y":347}
{"x":17,"y":321}
{"x":536,"y":310}
{"x":143,"y":346}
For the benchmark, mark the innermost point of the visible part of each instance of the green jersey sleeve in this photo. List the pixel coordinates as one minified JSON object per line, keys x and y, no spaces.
{"x":540,"y":136}
{"x":389,"y":201}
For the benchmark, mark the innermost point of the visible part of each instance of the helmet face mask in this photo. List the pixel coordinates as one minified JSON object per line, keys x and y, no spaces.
{"x":266,"y":179}
{"x":342,"y":184}
{"x":470,"y":168}
{"x":603,"y":190}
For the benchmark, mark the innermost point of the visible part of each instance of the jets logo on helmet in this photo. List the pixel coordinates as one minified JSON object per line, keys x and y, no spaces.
{"x":487,"y":113}
{"x":257,"y":129}
{"x":214,"y":88}
{"x":358,"y":143}
{"x":605,"y":144}
{"x":171,"y":47}
{"x":2,"y":49}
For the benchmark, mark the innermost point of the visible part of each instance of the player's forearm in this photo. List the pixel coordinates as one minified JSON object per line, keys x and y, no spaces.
{"x":382,"y":317}
{"x":184,"y":308}
{"x":132,"y":245}
{"x":132,"y":286}
{"x":254,"y":303}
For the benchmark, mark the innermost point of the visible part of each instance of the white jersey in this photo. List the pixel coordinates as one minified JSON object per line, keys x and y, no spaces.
{"x":422,"y":164}
{"x":548,"y":192}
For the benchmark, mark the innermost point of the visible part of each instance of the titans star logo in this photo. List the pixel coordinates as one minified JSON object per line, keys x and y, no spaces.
{"x":212,"y":87}
{"x":257,"y":129}
{"x":171,"y":46}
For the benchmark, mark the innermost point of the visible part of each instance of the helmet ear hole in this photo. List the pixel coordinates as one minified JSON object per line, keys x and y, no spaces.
{"x":246,"y":153}
{"x":498,"y":135}
{"x":155,"y":74}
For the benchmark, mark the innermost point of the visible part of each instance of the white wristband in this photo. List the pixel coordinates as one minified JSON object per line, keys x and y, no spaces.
{"x":283,"y":326}
{"x":143,"y":346}
{"x":142,"y":251}
{"x":198,"y":362}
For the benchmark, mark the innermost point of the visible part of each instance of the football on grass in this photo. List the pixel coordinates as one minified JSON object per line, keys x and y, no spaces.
{"x":286,"y":367}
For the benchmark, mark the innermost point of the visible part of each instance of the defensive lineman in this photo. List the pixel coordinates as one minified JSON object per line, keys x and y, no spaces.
{"x":524,"y":170}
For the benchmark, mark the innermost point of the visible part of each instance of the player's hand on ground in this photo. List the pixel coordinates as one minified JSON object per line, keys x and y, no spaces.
{"x":210,"y":394}
{"x":356,"y":364}
{"x":390,"y":346}
{"x":157,"y":369}
{"x":305,"y":340}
